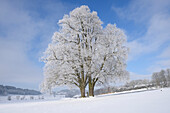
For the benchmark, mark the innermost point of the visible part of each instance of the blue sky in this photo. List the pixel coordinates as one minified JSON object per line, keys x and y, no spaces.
{"x":26,"y":28}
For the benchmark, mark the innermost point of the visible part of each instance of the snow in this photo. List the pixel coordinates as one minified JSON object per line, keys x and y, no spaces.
{"x":151,"y":101}
{"x":29,"y":98}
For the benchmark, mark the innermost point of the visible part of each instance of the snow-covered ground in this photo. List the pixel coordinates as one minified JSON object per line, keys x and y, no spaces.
{"x":29,"y":98}
{"x":153,"y":101}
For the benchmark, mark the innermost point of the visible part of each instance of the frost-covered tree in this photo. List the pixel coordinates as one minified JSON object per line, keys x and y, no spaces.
{"x":160,"y":78}
{"x":83,"y":53}
{"x":156,"y":79}
{"x":9,"y":98}
{"x":108,"y":57}
{"x":168,"y":77}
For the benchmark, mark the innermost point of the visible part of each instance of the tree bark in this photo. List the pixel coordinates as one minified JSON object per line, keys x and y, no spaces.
{"x":82,"y":90}
{"x":91,"y":90}
{"x":91,"y":87}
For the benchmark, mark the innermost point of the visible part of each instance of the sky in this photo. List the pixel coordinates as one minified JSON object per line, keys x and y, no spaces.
{"x":26,"y":28}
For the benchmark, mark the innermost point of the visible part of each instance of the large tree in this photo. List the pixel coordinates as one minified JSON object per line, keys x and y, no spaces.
{"x":83,"y":53}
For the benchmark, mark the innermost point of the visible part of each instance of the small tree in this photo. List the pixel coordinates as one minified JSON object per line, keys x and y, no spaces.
{"x":18,"y":97}
{"x":9,"y":98}
{"x":156,"y":79}
{"x":31,"y":97}
{"x":161,"y":78}
{"x":168,"y":77}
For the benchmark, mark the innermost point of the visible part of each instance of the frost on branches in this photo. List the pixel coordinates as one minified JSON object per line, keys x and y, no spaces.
{"x":83,"y":53}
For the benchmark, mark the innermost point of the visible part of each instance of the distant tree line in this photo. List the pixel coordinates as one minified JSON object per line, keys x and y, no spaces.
{"x":159,"y":80}
{"x":5,"y":90}
{"x":132,"y":85}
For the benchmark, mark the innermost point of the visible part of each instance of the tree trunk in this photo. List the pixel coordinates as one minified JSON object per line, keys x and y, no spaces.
{"x":82,"y":90}
{"x":91,"y":87}
{"x":91,"y":90}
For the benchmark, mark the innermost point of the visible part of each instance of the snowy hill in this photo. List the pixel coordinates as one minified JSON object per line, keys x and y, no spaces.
{"x":6,"y":90}
{"x":153,"y":101}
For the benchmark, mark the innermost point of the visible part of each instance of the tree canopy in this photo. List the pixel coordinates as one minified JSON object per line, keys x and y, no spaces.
{"x":83,"y":53}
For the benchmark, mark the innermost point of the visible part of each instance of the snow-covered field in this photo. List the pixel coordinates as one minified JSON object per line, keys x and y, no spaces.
{"x":154,"y":101}
{"x":29,"y":98}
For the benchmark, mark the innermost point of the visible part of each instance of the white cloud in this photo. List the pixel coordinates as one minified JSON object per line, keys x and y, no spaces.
{"x":15,"y":66}
{"x":156,"y":36}
{"x":142,"y":10}
{"x":23,"y":30}
{"x":159,"y":65}
{"x":165,"y":53}
{"x":165,"y":63}
{"x":135,"y":76}
{"x":155,"y":16}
